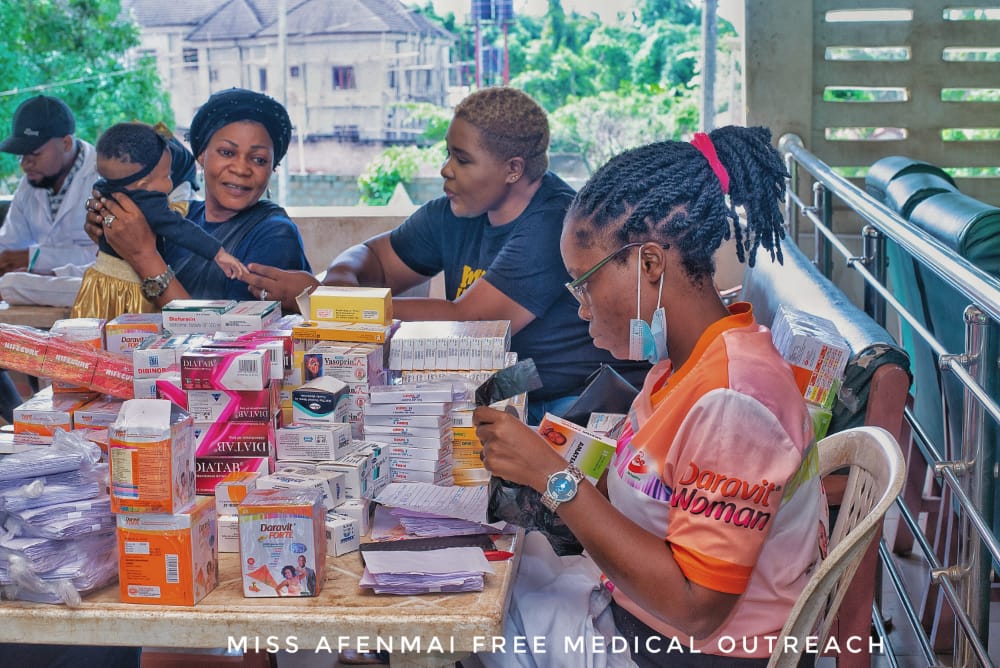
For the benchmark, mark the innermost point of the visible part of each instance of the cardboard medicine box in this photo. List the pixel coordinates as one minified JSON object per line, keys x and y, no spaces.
{"x":231,"y":491}
{"x":357,"y":332}
{"x":351,"y":362}
{"x":324,"y":399}
{"x":282,"y":542}
{"x":238,"y":439}
{"x":314,"y":442}
{"x":250,"y":316}
{"x":162,"y":354}
{"x":232,"y":405}
{"x":229,"y":533}
{"x":350,"y":304}
{"x":114,"y":375}
{"x":36,"y":420}
{"x":226,"y":369}
{"x":21,"y":348}
{"x":210,"y":471}
{"x":127,"y":332}
{"x":101,"y":412}
{"x":330,"y":483}
{"x":151,"y":450}
{"x":343,"y":534}
{"x":195,"y":316}
{"x":168,"y":559}
{"x":589,"y":451}
{"x":815,"y":349}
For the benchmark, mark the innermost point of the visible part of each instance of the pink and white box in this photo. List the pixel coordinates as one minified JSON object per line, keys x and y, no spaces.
{"x":225,"y":369}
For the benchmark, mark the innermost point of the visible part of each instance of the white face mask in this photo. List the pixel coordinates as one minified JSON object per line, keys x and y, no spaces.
{"x":645,"y":342}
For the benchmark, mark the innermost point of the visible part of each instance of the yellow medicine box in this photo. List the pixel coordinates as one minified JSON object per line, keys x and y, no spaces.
{"x":348,"y":304}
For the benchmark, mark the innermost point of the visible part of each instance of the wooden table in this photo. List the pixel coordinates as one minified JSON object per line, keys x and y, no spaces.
{"x":429,"y":630}
{"x":41,"y":317}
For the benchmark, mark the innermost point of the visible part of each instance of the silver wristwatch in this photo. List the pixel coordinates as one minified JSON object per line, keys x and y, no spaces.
{"x":562,"y":487}
{"x":154,"y":286}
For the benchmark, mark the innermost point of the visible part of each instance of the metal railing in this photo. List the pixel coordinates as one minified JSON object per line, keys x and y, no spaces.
{"x":964,"y":580}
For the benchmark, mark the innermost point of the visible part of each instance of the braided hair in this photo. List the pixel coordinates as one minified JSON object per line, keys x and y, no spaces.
{"x":667,"y":192}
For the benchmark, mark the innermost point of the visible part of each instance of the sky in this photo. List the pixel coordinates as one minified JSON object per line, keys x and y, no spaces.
{"x":607,"y":9}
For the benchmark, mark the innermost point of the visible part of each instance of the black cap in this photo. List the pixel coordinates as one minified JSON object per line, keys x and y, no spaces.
{"x":37,"y":120}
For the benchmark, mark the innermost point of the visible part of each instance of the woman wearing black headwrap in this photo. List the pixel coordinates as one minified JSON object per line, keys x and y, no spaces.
{"x":239,"y":137}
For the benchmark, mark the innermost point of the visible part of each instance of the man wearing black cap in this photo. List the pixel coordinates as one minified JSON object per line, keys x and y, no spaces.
{"x":43,"y":229}
{"x":44,"y":225}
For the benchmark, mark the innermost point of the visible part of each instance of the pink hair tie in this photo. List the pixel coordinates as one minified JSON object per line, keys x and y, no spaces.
{"x":703,"y":143}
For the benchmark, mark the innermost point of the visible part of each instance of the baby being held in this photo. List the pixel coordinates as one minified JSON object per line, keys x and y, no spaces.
{"x":134,"y":159}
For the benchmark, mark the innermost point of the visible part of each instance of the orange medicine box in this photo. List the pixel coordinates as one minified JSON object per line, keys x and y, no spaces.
{"x":152,"y":458}
{"x":282,"y":542}
{"x":36,"y":420}
{"x":168,"y":559}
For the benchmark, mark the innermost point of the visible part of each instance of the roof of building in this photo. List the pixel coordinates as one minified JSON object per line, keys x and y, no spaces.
{"x":240,"y":19}
{"x":157,"y":13}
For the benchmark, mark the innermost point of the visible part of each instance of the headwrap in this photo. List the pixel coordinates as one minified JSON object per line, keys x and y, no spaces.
{"x":182,"y":164}
{"x":239,"y":104}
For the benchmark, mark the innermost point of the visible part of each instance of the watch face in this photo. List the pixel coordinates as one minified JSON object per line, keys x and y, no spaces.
{"x":562,"y":486}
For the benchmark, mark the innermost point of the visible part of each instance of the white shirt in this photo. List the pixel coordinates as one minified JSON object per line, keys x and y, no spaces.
{"x":58,"y":241}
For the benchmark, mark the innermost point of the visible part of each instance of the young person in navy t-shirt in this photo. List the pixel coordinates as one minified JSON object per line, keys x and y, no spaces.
{"x":495,"y":235}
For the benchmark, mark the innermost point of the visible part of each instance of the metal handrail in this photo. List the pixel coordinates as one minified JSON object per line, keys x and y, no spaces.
{"x":983,"y":292}
{"x":978,"y":286}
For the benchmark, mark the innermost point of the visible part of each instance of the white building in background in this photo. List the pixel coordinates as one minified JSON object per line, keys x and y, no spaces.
{"x":350,"y":62}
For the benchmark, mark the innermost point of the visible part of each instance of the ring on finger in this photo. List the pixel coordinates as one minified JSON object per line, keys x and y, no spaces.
{"x":263,"y":294}
{"x":87,"y":204}
{"x":108,"y":219}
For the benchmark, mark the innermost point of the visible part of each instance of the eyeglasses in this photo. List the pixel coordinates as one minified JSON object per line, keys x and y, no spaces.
{"x":578,"y":288}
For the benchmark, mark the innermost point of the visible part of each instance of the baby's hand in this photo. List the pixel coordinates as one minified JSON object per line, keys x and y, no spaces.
{"x":230,"y":266}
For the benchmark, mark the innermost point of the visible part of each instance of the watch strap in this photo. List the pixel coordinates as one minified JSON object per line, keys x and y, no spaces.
{"x":154,"y":286}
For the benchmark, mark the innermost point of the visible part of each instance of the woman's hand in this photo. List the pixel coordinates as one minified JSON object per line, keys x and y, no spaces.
{"x":124,"y":226}
{"x":514,"y":451}
{"x":93,"y":222}
{"x":266,"y":282}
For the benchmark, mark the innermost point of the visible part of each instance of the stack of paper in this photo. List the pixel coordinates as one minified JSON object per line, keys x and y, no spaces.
{"x":465,"y":503}
{"x":64,"y":520}
{"x":47,"y":554}
{"x":25,"y":493}
{"x":453,"y":569}
{"x":57,"y":539}
{"x":63,"y":456}
{"x":82,"y":574}
{"x":427,"y":524}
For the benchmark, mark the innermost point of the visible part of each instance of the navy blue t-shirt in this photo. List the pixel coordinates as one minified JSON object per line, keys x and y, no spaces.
{"x":522,"y":260}
{"x":274,"y":241}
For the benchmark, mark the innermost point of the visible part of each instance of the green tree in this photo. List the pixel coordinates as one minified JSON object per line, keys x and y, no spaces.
{"x":612,"y":49}
{"x":75,"y":50}
{"x":599,"y":127}
{"x":433,"y":119}
{"x":396,"y":164}
{"x":609,"y":87}
{"x":681,"y":12}
{"x":566,"y":77}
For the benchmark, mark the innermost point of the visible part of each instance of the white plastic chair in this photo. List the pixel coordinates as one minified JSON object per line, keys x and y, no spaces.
{"x":875,"y":479}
